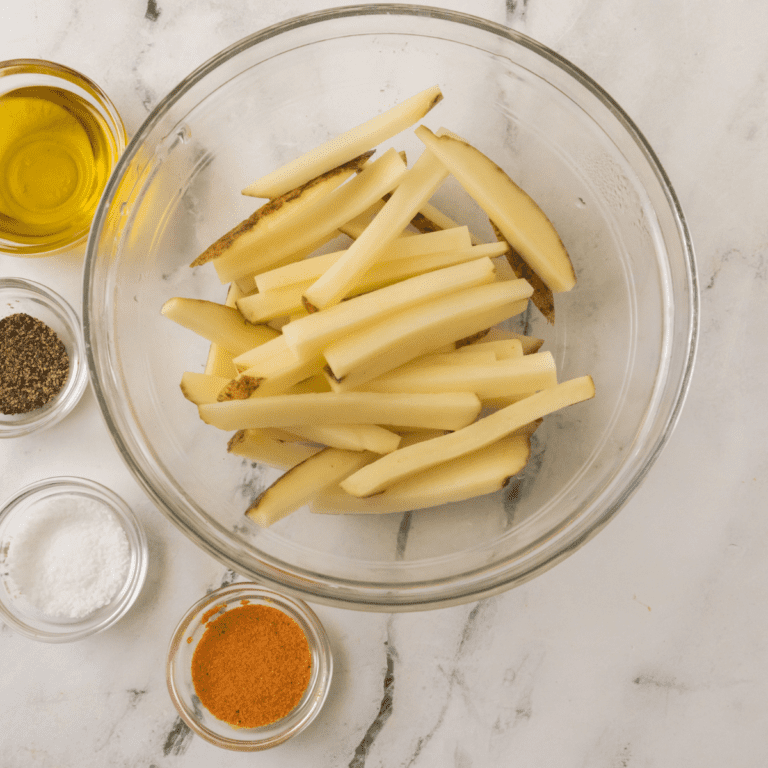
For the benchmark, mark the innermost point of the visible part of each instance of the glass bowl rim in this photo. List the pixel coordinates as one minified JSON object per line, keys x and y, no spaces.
{"x":423,"y":595}
{"x":125,"y":597}
{"x":43,"y":417}
{"x":318,"y":642}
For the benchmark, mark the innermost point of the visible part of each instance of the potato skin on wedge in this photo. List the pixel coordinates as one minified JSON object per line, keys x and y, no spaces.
{"x":302,"y":482}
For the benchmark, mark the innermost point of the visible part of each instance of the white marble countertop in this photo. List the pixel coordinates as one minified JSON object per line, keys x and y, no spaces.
{"x":645,"y":648}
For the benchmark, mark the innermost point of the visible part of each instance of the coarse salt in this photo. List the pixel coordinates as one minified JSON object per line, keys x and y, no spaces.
{"x":68,"y":557}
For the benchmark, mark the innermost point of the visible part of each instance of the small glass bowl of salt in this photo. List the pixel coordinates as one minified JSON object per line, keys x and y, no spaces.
{"x":73,"y":559}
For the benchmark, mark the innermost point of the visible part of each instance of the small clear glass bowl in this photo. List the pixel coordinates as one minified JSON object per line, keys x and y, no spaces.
{"x":179,"y":669}
{"x":22,"y":617}
{"x":16,"y":74}
{"x":25,"y":296}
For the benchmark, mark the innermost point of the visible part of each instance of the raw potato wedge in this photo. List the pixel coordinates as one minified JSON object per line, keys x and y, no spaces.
{"x":300,"y":483}
{"x":218,"y":323}
{"x":311,"y":334}
{"x":201,"y":388}
{"x":407,"y":462}
{"x":281,"y":209}
{"x":442,"y":411}
{"x":542,"y":298}
{"x":317,"y":221}
{"x":414,"y":189}
{"x":255,"y":445}
{"x":346,"y":146}
{"x":523,"y":224}
{"x":424,"y":327}
{"x":486,"y":471}
{"x":522,"y":376}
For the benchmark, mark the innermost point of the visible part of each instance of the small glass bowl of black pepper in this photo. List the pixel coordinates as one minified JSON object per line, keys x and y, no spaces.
{"x":270,"y":649}
{"x":42,"y":360}
{"x":73,"y":559}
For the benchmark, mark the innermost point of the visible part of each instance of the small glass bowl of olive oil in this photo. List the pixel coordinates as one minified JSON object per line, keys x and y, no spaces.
{"x":60,"y":137}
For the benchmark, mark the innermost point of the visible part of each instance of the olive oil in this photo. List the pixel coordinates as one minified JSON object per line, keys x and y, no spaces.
{"x":54,"y":163}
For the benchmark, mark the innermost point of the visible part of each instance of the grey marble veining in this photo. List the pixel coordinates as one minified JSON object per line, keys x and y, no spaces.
{"x":647,"y":646}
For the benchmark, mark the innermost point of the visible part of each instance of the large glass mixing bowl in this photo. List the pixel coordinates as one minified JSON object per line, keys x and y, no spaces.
{"x":631,"y":321}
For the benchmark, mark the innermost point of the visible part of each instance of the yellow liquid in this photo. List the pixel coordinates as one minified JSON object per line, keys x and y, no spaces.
{"x":54,"y":163}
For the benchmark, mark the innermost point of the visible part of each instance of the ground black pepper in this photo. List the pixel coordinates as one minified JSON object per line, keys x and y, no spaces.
{"x":33,"y":364}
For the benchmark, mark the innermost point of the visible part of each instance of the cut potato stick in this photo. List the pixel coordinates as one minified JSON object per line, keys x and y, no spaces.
{"x":276,"y":379}
{"x":383,"y":274}
{"x":403,"y":248}
{"x":523,"y":224}
{"x":218,"y":323}
{"x":287,"y":300}
{"x":496,"y":403}
{"x":267,"y":305}
{"x":422,"y":328}
{"x":352,"y":437}
{"x":245,"y":385}
{"x":311,"y":334}
{"x":378,"y":276}
{"x":300,"y":483}
{"x":315,"y":222}
{"x":201,"y":388}
{"x":414,"y":189}
{"x":273,"y":353}
{"x":530,"y":343}
{"x":278,"y":211}
{"x":344,"y":147}
{"x":411,"y":348}
{"x":440,"y":359}
{"x":503,"y":349}
{"x":413,"y":436}
{"x":440,"y":411}
{"x":315,"y":383}
{"x":521,"y":376}
{"x":486,"y":471}
{"x":270,"y":369}
{"x":248,"y":282}
{"x":406,"y":462}
{"x":255,"y":445}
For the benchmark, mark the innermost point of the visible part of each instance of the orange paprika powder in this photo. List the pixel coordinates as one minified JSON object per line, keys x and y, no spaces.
{"x":251,"y":666}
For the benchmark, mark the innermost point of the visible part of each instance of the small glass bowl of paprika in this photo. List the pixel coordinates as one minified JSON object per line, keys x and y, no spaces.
{"x":43,"y":357}
{"x":249,"y":668}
